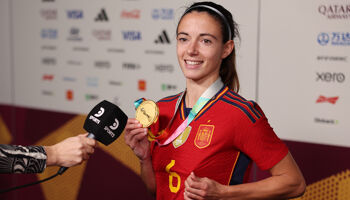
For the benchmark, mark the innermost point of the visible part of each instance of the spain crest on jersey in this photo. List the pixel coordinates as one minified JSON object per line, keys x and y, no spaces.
{"x":204,"y":135}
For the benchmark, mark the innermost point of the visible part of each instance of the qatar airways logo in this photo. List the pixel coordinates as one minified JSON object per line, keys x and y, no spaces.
{"x":335,"y":11}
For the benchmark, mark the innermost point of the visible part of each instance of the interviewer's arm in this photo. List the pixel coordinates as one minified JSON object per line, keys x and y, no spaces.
{"x":71,"y":151}
{"x":22,"y":159}
{"x":34,"y":159}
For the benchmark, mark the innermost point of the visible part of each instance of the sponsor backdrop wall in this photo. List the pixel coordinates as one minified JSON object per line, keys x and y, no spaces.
{"x":60,"y":58}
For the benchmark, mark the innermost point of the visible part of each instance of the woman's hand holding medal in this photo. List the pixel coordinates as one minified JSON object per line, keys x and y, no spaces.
{"x":136,"y":138}
{"x":136,"y":129}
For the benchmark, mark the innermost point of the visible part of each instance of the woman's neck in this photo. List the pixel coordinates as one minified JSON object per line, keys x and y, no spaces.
{"x":194,"y":89}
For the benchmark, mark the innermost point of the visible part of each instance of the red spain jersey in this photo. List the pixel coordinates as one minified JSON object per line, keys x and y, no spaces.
{"x":220,"y":143}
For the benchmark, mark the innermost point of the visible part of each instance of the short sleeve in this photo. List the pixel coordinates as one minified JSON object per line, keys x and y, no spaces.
{"x":261,"y":144}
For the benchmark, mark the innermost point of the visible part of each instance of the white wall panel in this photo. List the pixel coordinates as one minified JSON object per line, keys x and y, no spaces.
{"x":5,"y":58}
{"x":291,"y":61}
{"x":125,"y":61}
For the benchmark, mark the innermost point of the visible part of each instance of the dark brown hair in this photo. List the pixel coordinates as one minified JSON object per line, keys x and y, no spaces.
{"x":228,"y":72}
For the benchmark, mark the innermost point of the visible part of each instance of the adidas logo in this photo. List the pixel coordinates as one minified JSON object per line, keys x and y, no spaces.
{"x":102,"y":16}
{"x":162,"y":38}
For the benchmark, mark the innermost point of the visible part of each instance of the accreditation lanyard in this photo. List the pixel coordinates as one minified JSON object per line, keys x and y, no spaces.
{"x":201,"y":102}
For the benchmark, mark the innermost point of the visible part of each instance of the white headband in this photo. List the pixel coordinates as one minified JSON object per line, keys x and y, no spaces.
{"x":217,"y":12}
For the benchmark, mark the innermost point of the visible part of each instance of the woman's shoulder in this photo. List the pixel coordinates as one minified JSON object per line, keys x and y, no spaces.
{"x":241,"y":106}
{"x":169,"y":99}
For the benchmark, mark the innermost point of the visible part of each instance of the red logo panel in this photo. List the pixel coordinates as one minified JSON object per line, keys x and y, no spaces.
{"x":142,"y":85}
{"x":69,"y":95}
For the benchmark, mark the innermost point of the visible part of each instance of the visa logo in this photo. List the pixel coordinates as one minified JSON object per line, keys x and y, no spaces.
{"x":75,"y":14}
{"x":132,"y":35}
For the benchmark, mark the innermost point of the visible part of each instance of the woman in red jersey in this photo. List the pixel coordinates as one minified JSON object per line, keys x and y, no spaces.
{"x":204,"y":149}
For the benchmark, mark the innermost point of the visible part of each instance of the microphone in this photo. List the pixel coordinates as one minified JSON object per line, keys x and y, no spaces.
{"x":104,"y":123}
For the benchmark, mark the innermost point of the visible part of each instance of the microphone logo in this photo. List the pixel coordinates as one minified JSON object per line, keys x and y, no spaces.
{"x":115,"y":125}
{"x":100,"y":112}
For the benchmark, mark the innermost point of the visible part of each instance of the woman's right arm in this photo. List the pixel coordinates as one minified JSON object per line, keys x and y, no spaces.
{"x":136,"y":139}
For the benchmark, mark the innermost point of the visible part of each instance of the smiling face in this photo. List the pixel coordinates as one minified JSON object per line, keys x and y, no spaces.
{"x":200,"y":49}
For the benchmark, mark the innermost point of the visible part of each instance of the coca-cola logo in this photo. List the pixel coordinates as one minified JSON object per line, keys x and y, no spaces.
{"x":130,"y":14}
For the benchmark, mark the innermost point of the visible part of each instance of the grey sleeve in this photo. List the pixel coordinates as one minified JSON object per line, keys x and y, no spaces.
{"x":20,"y":159}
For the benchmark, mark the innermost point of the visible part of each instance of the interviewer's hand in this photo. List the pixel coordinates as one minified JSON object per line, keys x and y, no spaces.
{"x":71,"y":151}
{"x":136,"y":138}
{"x":202,"y":188}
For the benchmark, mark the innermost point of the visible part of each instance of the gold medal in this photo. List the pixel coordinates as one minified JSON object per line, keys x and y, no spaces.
{"x":147,"y":113}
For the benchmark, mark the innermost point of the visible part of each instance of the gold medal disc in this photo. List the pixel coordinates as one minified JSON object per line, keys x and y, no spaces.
{"x":147,"y":113}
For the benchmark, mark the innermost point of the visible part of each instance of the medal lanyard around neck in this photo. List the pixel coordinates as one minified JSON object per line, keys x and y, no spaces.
{"x":201,"y":102}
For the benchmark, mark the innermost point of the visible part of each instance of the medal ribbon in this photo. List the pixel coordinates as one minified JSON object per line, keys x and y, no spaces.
{"x":138,"y":102}
{"x":201,"y":102}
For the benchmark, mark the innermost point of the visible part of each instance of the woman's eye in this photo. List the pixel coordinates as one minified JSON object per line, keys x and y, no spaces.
{"x":206,"y":41}
{"x":182,"y":39}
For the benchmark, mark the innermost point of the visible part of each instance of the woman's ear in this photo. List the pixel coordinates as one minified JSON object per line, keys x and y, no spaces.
{"x":228,"y":48}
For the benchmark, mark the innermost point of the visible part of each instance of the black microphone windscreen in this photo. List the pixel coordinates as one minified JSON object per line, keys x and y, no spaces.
{"x":106,"y":121}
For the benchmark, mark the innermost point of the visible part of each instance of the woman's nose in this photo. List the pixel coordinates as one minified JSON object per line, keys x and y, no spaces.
{"x":192,"y":48}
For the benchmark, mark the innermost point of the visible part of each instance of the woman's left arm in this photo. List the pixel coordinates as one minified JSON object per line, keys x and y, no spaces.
{"x":286,"y":181}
